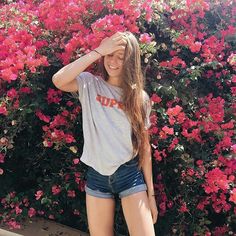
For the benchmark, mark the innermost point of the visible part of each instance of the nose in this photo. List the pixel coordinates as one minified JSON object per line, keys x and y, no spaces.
{"x":113,"y":60}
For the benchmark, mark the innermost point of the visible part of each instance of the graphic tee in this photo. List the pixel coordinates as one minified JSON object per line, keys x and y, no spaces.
{"x":106,"y":128}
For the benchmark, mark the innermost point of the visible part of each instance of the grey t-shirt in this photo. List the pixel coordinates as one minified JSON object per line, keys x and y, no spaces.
{"x":106,"y":128}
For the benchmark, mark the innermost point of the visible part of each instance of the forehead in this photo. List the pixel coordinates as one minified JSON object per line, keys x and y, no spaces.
{"x":119,"y":52}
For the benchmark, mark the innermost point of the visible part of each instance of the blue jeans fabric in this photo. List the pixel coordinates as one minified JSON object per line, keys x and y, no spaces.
{"x":126,"y":180}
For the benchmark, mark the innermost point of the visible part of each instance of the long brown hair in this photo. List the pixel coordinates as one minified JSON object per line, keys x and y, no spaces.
{"x":132,"y":85}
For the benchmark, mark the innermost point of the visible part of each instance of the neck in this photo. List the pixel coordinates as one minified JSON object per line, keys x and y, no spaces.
{"x":114,"y":81}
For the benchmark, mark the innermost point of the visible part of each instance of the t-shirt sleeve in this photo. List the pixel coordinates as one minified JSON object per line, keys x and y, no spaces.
{"x":85,"y":82}
{"x":148,"y":109}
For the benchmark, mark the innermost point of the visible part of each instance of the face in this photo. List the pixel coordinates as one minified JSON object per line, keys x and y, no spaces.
{"x":113,"y":63}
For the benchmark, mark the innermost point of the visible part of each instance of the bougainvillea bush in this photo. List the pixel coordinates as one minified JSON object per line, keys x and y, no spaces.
{"x":189,"y":61}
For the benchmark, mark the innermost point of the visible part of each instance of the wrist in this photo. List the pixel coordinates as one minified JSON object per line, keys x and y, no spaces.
{"x":98,"y":52}
{"x":151,"y":193}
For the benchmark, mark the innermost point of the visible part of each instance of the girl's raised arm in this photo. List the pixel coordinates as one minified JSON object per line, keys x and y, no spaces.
{"x":64,"y":79}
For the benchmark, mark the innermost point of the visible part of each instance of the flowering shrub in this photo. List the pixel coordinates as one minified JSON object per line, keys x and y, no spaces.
{"x":189,"y":60}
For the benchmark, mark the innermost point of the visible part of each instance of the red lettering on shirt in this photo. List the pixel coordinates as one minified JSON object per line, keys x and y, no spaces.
{"x":109,"y":102}
{"x":105,"y":101}
{"x":113,"y":102}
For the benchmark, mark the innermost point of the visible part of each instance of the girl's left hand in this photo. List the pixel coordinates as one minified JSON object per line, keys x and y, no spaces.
{"x":153,"y":207}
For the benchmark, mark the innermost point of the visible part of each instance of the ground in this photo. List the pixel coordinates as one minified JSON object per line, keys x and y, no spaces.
{"x":42,"y":227}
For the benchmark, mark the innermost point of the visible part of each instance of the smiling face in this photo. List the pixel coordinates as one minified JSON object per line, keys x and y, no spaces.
{"x":113,"y":63}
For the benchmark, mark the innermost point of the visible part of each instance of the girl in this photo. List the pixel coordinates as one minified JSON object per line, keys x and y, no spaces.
{"x":115,"y":116}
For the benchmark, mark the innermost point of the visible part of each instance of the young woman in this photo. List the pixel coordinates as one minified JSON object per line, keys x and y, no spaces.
{"x":115,"y":116}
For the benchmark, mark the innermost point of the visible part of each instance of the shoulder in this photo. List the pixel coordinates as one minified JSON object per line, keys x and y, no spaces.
{"x":85,"y":74}
{"x":87,"y":77}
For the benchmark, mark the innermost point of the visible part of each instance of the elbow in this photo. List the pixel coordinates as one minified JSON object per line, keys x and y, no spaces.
{"x":55,"y":81}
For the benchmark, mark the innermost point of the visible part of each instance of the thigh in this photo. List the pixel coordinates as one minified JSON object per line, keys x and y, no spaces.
{"x":100,"y":213}
{"x":137,"y":214}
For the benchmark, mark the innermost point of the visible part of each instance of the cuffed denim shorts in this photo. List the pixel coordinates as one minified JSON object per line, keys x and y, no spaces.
{"x":126,"y":180}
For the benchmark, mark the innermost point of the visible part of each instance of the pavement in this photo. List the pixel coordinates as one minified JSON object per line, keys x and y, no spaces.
{"x":41,"y":227}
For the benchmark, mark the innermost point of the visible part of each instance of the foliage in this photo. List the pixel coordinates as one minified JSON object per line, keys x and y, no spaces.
{"x":189,"y":60}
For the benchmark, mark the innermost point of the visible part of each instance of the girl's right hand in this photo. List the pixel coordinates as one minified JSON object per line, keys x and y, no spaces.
{"x":113,"y":43}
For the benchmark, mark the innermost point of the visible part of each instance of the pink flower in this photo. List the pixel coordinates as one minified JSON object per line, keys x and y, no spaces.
{"x":156,"y":98}
{"x":51,"y":217}
{"x":18,"y":210}
{"x":71,"y":193}
{"x":195,"y":47}
{"x":31,"y":212}
{"x":145,"y":38}
{"x":76,"y":161}
{"x":54,"y":96}
{"x":168,"y":130}
{"x":2,"y":158}
{"x":38,"y":194}
{"x":183,"y":207}
{"x":12,"y":93}
{"x":216,"y":179}
{"x":170,"y":204}
{"x":162,"y":206}
{"x":157,"y":155}
{"x":174,"y":111}
{"x":199,"y":162}
{"x":76,"y":212}
{"x":13,"y":224}
{"x":56,"y":189}
{"x":26,"y":90}
{"x":233,"y":196}
{"x":42,"y":117}
{"x":69,"y":138}
{"x":3,"y":109}
{"x":233,"y":147}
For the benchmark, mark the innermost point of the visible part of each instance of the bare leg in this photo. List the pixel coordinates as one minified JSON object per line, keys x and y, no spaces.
{"x":100,"y":213}
{"x":138,"y":215}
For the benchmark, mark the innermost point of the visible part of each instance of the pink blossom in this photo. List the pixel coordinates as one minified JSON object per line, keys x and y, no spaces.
{"x":56,"y":189}
{"x":155,"y":98}
{"x":54,"y":96}
{"x":3,"y":109}
{"x":52,"y":217}
{"x":76,"y":161}
{"x":2,"y":157}
{"x":38,"y":194}
{"x":71,"y":193}
{"x":18,"y":210}
{"x":232,"y":197}
{"x":216,"y":180}
{"x":31,"y":212}
{"x":13,"y":224}
{"x":145,"y":38}
{"x":183,"y":208}
{"x":168,"y":130}
{"x":76,"y":212}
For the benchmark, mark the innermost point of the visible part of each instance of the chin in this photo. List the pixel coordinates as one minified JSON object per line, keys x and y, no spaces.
{"x":113,"y":73}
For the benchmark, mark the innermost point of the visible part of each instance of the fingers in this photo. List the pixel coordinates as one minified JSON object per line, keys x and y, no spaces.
{"x":154,"y":215}
{"x":119,"y":48}
{"x":122,"y":41}
{"x":118,"y":37}
{"x":117,"y":34}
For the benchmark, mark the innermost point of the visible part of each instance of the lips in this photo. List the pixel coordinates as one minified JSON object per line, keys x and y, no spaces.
{"x":112,"y":67}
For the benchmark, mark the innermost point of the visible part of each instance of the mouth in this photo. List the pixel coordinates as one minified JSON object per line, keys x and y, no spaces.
{"x":112,"y":67}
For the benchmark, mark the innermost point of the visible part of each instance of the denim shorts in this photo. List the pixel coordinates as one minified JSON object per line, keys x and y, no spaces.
{"x":126,"y":180}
